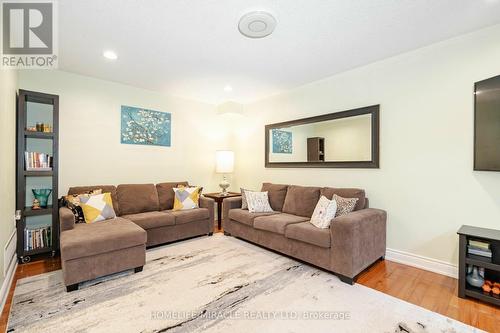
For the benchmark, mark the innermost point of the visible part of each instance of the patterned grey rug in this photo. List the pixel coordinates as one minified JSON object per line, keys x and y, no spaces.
{"x":216,"y":284}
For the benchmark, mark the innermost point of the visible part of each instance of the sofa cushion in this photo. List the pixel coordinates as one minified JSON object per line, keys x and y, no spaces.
{"x":277,"y":223}
{"x":105,"y":189}
{"x":191,"y":215}
{"x":86,"y":240}
{"x":137,"y":198}
{"x":301,"y":200}
{"x":245,"y":217}
{"x":151,"y":220}
{"x":346,"y":193}
{"x":277,"y":194}
{"x":166,"y":194}
{"x":308,"y":233}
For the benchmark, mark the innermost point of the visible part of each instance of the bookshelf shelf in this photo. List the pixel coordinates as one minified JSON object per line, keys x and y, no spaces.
{"x":479,"y":294}
{"x":481,"y":262}
{"x":39,"y":250}
{"x":38,"y":173}
{"x":38,"y":135}
{"x":37,"y":212}
{"x":31,"y":107}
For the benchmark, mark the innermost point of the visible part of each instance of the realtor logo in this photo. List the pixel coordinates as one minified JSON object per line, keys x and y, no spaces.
{"x":28,"y":34}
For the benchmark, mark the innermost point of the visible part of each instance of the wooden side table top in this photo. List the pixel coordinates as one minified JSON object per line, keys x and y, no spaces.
{"x":218,"y":195}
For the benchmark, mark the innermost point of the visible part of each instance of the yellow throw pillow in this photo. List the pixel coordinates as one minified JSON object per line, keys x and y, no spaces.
{"x":186,"y":198}
{"x":97,"y":207}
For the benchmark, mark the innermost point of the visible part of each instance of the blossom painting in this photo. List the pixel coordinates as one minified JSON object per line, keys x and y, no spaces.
{"x":145,"y":127}
{"x":282,"y":141}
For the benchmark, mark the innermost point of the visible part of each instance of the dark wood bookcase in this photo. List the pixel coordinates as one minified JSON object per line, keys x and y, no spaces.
{"x":35,"y":107}
{"x":316,"y":149}
{"x":491,"y":266}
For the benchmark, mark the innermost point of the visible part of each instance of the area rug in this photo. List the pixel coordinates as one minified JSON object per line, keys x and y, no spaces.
{"x":216,"y":284}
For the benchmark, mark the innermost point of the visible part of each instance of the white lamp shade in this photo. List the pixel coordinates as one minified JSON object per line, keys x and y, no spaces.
{"x":224,"y":161}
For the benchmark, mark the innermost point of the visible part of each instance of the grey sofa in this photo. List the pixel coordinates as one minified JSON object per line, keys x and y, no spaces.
{"x":352,"y":243}
{"x":144,"y":218}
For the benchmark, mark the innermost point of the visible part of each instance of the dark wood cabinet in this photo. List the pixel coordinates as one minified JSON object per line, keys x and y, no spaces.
{"x":316,"y":149}
{"x":490,"y":265}
{"x":37,"y":229}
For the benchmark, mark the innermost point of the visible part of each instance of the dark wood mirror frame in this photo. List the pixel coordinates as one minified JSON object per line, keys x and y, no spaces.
{"x":373,"y":163}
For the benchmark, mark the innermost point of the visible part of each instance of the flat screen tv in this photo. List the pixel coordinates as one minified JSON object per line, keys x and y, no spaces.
{"x":487,"y":125}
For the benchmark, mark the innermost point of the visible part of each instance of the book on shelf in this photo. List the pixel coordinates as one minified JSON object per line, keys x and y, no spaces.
{"x":479,"y":251}
{"x":37,"y":238}
{"x":35,"y":161}
{"x":479,"y":244}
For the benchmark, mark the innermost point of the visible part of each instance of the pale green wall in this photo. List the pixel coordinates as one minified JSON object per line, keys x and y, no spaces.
{"x":425,"y":181}
{"x":90,"y":151}
{"x":8,"y":85}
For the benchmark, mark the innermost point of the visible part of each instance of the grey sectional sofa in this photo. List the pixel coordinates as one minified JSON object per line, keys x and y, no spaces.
{"x":144,"y":218}
{"x":352,"y":243}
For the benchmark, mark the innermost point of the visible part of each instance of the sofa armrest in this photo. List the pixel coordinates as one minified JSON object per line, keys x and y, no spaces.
{"x":66,"y":219}
{"x":210,"y":204}
{"x":358,"y":239}
{"x":228,"y":204}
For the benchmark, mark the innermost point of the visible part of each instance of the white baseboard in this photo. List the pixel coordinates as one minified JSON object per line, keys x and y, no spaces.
{"x":429,"y":264}
{"x":7,"y":282}
{"x":9,"y":252}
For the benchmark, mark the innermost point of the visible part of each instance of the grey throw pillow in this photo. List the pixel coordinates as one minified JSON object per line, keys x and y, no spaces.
{"x":344,"y":205}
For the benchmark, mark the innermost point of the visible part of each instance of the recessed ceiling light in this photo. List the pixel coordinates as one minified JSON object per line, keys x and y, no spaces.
{"x":228,"y":88}
{"x":110,"y":55}
{"x":257,"y":24}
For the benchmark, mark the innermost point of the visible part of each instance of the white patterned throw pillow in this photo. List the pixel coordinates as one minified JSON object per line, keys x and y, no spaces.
{"x":324,"y":212}
{"x":258,"y":202}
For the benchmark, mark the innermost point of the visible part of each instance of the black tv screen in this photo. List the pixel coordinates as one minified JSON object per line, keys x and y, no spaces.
{"x":487,"y":125}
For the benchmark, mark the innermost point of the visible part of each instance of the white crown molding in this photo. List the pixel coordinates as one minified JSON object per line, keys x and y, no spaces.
{"x":428,"y":264}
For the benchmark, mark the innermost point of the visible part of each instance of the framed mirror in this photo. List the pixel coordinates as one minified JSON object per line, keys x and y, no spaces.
{"x":347,"y":139}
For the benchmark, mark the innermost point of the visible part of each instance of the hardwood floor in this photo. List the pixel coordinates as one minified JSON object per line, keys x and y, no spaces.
{"x":432,"y":291}
{"x":429,"y":290}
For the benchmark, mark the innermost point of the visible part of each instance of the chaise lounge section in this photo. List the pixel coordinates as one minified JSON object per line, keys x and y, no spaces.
{"x":351,"y":244}
{"x":144,"y":217}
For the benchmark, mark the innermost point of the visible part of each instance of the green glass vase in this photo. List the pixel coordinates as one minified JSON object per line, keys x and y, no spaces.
{"x":42,"y":195}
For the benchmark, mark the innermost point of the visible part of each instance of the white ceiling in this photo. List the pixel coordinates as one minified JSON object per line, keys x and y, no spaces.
{"x":192,"y":48}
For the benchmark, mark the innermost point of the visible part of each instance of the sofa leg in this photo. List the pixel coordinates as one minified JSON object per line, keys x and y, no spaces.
{"x":346,"y":279}
{"x":138,"y":269}
{"x":382,"y":258}
{"x":72,"y":287}
{"x":226,"y":233}
{"x":211,"y":233}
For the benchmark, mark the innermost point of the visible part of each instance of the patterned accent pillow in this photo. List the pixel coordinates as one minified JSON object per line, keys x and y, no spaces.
{"x":324,"y":213}
{"x":97,"y":207}
{"x":186,"y":198}
{"x":72,"y":201}
{"x":344,"y":205}
{"x":244,"y":203}
{"x":258,"y":202}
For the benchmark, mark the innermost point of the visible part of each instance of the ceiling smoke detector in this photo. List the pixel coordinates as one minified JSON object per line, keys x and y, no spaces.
{"x":257,"y":24}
